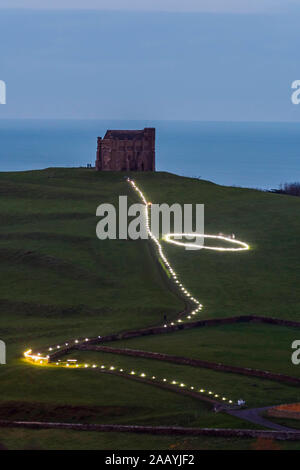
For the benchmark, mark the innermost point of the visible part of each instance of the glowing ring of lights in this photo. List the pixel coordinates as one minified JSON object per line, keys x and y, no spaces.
{"x":242,"y":246}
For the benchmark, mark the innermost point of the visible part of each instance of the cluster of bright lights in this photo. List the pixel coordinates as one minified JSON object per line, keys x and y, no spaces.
{"x":73,"y":363}
{"x":36,"y":357}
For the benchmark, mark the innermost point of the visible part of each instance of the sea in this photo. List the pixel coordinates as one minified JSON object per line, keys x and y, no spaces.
{"x":260,"y":155}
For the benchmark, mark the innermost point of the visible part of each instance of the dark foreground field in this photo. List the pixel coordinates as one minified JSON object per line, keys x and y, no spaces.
{"x":58,"y":281}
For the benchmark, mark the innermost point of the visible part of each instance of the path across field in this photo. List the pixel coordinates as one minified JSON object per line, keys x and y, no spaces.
{"x":193,"y":307}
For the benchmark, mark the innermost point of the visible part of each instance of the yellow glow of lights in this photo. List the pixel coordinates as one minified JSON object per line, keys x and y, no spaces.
{"x":34,"y":357}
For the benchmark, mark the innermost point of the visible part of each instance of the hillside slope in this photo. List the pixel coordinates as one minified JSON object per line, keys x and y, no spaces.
{"x":59,"y":281}
{"x":262,"y":281}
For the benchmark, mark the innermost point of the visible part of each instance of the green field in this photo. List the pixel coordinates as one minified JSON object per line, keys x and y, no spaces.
{"x":258,"y":346}
{"x":58,"y":282}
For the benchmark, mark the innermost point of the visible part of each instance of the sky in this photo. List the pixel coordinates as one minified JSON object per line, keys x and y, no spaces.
{"x":241,"y":6}
{"x":211,"y":60}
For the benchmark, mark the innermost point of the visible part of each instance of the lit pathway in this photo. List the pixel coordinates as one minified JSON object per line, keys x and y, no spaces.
{"x":50,"y":357}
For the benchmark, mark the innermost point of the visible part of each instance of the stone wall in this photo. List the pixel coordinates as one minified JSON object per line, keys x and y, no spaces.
{"x":195,"y":363}
{"x":160,"y":430}
{"x":182,"y":326}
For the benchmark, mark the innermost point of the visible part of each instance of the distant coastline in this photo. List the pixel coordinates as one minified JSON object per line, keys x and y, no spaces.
{"x":258,"y":155}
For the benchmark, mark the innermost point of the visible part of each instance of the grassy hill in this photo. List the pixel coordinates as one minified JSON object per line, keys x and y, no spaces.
{"x":58,"y":281}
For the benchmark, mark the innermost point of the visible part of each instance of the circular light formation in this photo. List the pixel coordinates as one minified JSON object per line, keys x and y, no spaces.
{"x":241,"y":245}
